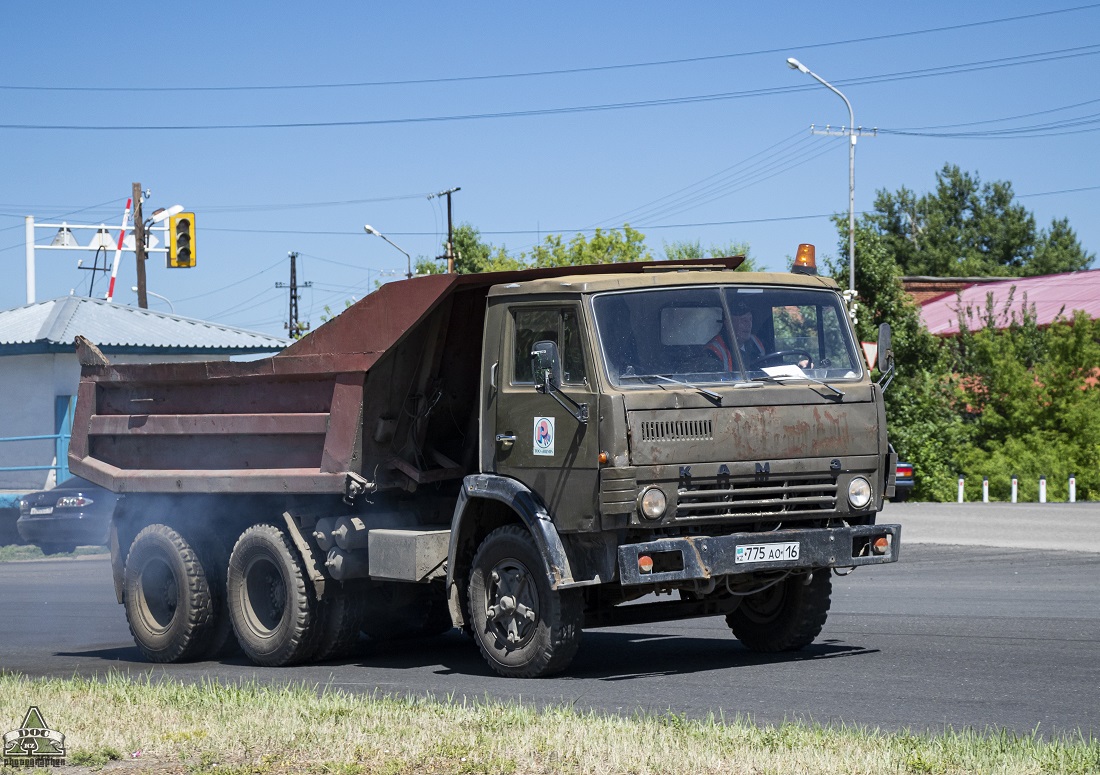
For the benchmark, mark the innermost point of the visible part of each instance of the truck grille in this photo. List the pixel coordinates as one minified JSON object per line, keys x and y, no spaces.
{"x":677,"y":430}
{"x":812,"y":497}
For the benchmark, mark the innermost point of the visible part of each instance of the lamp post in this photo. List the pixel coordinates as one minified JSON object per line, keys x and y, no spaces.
{"x":371,"y":230}
{"x":794,"y":64}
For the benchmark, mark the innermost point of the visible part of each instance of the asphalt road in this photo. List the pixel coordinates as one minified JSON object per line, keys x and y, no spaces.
{"x":959,"y":636}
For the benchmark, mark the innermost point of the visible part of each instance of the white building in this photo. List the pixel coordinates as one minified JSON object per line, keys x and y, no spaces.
{"x":39,"y":372}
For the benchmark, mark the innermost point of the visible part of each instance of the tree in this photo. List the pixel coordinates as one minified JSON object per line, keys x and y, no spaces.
{"x":1031,"y":400}
{"x":471,"y":255}
{"x":967,"y":229}
{"x":1059,"y":251}
{"x":605,"y":247}
{"x":682,"y":250}
{"x":921,"y":417}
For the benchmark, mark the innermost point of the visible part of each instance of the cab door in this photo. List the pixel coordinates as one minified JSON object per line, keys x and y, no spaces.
{"x":539,"y":441}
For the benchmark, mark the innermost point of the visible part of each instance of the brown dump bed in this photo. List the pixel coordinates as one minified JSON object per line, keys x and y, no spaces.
{"x":387,"y":388}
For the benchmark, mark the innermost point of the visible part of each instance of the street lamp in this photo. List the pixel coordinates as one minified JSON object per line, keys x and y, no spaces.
{"x":794,"y":64}
{"x":371,"y":230}
{"x":165,"y":299}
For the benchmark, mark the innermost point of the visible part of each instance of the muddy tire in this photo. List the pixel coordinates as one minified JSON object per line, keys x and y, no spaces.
{"x":342,"y":615}
{"x":271,"y":604}
{"x":524,"y":628}
{"x":785,"y":617}
{"x":167,"y":597}
{"x":401,"y":611}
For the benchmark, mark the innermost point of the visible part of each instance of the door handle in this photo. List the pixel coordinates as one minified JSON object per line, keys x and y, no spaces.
{"x":506,"y":440}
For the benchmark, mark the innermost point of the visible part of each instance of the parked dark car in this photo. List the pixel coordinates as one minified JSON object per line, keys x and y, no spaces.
{"x":75,"y":513}
{"x":903,"y":482}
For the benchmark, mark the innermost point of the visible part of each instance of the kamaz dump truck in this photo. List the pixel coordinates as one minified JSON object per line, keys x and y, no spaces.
{"x":521,"y":455}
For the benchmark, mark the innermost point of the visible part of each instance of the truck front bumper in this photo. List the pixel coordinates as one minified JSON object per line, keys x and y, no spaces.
{"x":705,"y":557}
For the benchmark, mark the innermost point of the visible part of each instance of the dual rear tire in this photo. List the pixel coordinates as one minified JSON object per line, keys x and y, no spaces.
{"x":271,"y":606}
{"x":185,"y":600}
{"x":173,"y":600}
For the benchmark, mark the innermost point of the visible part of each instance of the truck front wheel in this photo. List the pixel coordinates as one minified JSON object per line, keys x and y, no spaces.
{"x":784,"y":617}
{"x":524,"y":628}
{"x":270,"y":603}
{"x":167,"y":596}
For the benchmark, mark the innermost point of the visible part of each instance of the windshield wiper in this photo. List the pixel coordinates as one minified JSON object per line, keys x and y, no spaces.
{"x":779,"y":379}
{"x":708,"y":393}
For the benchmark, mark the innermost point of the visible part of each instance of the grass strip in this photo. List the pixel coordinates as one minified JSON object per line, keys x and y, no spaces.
{"x":160,"y":725}
{"x":15,"y":552}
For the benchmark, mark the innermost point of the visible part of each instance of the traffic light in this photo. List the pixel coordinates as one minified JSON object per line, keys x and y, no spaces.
{"x":181,"y":241}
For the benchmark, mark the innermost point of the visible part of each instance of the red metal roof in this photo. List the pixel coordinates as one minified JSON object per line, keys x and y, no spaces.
{"x":1049,"y":295}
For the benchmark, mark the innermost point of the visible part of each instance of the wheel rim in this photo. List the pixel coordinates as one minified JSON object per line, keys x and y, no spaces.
{"x":511,"y":604}
{"x":263,"y":596}
{"x":159,"y":595}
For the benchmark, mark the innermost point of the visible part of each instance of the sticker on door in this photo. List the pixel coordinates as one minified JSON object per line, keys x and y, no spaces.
{"x":544,"y":436}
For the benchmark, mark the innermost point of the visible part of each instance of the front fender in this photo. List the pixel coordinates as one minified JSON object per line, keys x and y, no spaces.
{"x":531,"y":511}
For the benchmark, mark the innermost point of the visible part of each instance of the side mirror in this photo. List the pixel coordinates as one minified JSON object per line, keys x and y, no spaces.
{"x":546,"y":366}
{"x":885,"y":355}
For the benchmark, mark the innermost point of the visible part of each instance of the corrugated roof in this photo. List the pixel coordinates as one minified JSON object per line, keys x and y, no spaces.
{"x":51,"y":326}
{"x":1049,"y":295}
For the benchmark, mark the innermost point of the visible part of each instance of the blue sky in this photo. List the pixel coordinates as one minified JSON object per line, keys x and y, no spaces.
{"x":739,"y":165}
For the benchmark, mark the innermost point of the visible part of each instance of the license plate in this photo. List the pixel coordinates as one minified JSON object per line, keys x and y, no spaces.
{"x":767,"y":552}
{"x":41,"y":510}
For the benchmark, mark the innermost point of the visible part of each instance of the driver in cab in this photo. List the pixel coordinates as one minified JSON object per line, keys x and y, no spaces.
{"x":748,"y":344}
{"x":752,"y":349}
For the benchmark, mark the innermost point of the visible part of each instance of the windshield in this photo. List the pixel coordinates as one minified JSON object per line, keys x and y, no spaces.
{"x":701,"y":334}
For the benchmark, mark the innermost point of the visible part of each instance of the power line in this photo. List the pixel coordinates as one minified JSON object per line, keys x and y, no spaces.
{"x":117,"y":200}
{"x":304,"y":205}
{"x":237,"y":306}
{"x":506,"y":232}
{"x":229,"y":285}
{"x":641,"y":208}
{"x":1062,"y":191}
{"x":968,"y":67}
{"x":772,"y":169}
{"x":1050,"y":129}
{"x":1004,"y":118}
{"x":560,"y":71}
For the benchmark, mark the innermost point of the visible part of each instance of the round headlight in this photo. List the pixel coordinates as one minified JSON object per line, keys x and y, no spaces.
{"x":859,"y":492}
{"x":653,"y":503}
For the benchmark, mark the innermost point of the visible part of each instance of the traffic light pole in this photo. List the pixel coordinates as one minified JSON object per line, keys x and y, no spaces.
{"x":139,"y":248}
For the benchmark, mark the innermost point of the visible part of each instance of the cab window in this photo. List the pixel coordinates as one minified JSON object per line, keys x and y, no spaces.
{"x":540,"y":324}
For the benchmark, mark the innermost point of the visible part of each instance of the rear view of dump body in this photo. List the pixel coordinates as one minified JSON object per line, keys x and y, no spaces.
{"x":293,"y":423}
{"x":409,"y":465}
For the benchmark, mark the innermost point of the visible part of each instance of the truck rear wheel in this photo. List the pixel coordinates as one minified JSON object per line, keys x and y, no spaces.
{"x":270,"y":602}
{"x":784,"y":617}
{"x":167,"y":596}
{"x":524,"y":628}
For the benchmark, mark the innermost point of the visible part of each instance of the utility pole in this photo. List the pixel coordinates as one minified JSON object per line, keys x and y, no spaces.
{"x":295,"y":328}
{"x":450,"y":254}
{"x":139,"y":248}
